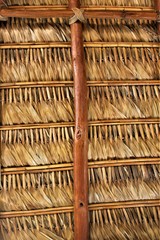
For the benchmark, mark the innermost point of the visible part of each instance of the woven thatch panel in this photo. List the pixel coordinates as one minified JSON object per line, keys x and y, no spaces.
{"x":39,"y":30}
{"x":35,"y":64}
{"x":118,"y":224}
{"x":55,"y":189}
{"x":125,"y":224}
{"x":38,"y":146}
{"x":84,"y":2}
{"x":128,"y":141}
{"x":56,"y":227}
{"x":124,"y":102}
{"x":18,"y":65}
{"x":37,"y":105}
{"x":48,"y":104}
{"x":49,"y":146}
{"x":36,"y":191}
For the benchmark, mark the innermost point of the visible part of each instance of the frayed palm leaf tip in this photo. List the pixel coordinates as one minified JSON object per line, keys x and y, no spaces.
{"x":46,"y":30}
{"x":83,"y":2}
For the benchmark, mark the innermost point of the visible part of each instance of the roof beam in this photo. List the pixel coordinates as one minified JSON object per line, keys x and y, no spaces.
{"x":45,"y":12}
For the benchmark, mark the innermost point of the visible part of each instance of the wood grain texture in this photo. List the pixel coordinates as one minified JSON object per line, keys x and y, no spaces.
{"x":81,"y":230}
{"x":38,"y":12}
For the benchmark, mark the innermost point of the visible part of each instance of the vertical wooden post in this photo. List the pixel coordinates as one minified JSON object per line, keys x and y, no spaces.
{"x":81,"y":131}
{"x":157,"y":7}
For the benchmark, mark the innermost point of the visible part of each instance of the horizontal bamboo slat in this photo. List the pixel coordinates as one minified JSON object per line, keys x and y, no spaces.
{"x":31,"y":45}
{"x":109,"y":122}
{"x":38,"y":12}
{"x":92,"y":207}
{"x":143,"y":82}
{"x":69,"y":166}
{"x":91,"y":8}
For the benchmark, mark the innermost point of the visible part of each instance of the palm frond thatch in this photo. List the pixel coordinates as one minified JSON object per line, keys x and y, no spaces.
{"x":46,"y":30}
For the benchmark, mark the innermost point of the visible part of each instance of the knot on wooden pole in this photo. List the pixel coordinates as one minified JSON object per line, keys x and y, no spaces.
{"x":78,"y":16}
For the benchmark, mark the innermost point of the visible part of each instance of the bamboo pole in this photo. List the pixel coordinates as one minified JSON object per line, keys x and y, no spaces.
{"x":96,"y":83}
{"x":37,"y":12}
{"x":33,"y":45}
{"x":92,"y":207}
{"x":81,"y":229}
{"x":69,"y":166}
{"x":108,"y":122}
{"x":89,"y":8}
{"x":157,"y":7}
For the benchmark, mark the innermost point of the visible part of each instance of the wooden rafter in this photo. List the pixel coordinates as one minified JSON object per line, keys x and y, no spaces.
{"x":39,"y":12}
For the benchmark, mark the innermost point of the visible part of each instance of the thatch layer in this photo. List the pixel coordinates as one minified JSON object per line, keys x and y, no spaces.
{"x":49,"y":104}
{"x":37,"y":105}
{"x":49,"y":64}
{"x":84,"y":2}
{"x":49,"y":146}
{"x":122,"y":224}
{"x":132,"y":223}
{"x":56,"y":227}
{"x":39,"y":30}
{"x":55,"y":189}
{"x":124,"y":102}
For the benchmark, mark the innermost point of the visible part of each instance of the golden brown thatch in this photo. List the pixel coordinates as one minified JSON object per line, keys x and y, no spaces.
{"x":37,"y":126}
{"x":39,"y":30}
{"x":83,"y":2}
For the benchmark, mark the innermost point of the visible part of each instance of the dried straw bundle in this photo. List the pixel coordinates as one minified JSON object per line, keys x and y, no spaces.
{"x":55,"y":189}
{"x":132,"y":223}
{"x":37,"y":105}
{"x":124,"y":102}
{"x":46,"y":227}
{"x":83,"y":2}
{"x":48,"y":146}
{"x":55,"y":64}
{"x":39,"y":30}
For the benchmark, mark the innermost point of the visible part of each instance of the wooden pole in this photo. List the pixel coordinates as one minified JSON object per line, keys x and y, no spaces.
{"x":38,"y":12}
{"x":157,"y":7}
{"x":81,"y":131}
